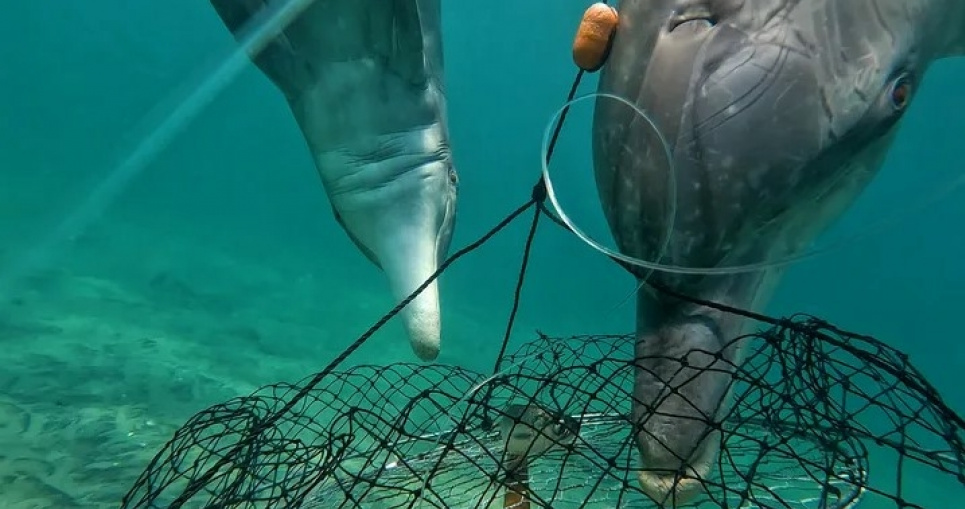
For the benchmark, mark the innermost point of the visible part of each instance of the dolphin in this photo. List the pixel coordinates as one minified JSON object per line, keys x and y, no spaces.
{"x":777,"y":114}
{"x":364,"y":81}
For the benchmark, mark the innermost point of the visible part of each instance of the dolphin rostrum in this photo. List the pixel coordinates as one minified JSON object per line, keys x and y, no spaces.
{"x":778,"y":113}
{"x":364,"y":81}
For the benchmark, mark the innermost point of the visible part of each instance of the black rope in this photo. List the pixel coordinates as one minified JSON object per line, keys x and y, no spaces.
{"x":198,"y":483}
{"x":539,"y":198}
{"x":818,"y":330}
{"x":518,"y":292}
{"x":635,"y":272}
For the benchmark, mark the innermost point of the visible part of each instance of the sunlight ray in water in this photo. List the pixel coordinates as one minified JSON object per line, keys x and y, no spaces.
{"x":154,"y":134}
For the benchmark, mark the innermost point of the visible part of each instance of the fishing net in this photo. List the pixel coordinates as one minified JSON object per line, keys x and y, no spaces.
{"x":819,"y":418}
{"x":814,"y":409}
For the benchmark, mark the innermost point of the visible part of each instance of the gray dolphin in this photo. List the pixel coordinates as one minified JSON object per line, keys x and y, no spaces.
{"x":364,"y":81}
{"x":778,"y":113}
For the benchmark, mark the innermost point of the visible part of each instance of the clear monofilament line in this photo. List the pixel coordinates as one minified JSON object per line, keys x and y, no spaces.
{"x":880,"y":225}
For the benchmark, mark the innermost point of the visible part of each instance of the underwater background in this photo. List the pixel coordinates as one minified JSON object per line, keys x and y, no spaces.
{"x":134,"y":295}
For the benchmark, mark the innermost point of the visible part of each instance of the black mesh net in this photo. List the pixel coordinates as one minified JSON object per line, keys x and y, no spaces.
{"x":820,"y":418}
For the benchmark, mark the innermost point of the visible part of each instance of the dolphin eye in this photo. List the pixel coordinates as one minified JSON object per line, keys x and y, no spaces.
{"x":900,"y":93}
{"x":560,"y":429}
{"x":453,"y":176}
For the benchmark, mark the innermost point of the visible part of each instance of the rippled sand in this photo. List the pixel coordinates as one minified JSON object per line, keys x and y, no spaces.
{"x":98,"y":373}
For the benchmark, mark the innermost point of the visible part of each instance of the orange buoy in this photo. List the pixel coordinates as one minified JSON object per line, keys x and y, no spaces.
{"x":591,"y":47}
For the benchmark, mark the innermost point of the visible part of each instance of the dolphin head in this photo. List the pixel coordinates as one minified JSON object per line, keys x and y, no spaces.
{"x":381,"y":146}
{"x":364,"y":80}
{"x":777,"y":114}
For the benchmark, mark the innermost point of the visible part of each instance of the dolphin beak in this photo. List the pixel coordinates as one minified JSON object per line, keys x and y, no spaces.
{"x":404,"y":225}
{"x":408,"y":259}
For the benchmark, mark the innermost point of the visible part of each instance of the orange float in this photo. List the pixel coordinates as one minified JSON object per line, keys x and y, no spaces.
{"x":591,"y":47}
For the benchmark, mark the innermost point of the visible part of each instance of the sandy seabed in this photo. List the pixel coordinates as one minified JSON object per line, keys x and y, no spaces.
{"x":99,"y":372}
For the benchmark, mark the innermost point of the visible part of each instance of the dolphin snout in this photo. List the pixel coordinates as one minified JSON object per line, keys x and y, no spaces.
{"x":404,"y":224}
{"x":681,"y":382}
{"x":422,"y":321}
{"x":408,"y":260}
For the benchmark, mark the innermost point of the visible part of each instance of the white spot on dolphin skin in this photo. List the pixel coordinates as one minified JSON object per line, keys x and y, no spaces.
{"x":732,"y":110}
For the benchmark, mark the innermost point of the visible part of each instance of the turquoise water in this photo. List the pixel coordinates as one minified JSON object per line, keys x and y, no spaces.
{"x":219,"y":267}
